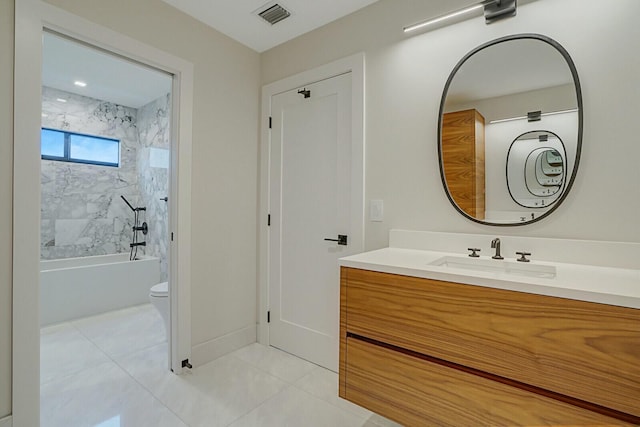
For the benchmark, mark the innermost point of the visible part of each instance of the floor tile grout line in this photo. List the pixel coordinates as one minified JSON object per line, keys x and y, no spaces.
{"x":264,"y":402}
{"x":344,"y":411}
{"x":264,"y":370}
{"x":81,"y":371}
{"x":270,"y":373}
{"x":146,"y":388}
{"x":115,"y":362}
{"x":326,"y":400}
{"x":113,"y":359}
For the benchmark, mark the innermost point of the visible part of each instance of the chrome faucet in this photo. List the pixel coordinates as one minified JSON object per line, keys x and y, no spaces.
{"x":495,"y":244}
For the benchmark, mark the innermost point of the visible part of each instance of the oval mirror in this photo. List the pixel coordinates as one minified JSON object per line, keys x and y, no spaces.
{"x":512,"y":104}
{"x":536,"y":171}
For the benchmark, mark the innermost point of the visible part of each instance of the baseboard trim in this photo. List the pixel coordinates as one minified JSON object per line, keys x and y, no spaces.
{"x":6,"y":421}
{"x":217,"y":347}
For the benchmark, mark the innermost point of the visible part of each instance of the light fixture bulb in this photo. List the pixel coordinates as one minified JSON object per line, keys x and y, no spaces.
{"x":550,"y":113}
{"x":443,"y":17}
{"x":79,"y":83}
{"x":61,"y":100}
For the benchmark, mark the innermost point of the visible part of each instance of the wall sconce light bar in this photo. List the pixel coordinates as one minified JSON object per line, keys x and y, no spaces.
{"x":550,"y":113}
{"x":441,"y":18}
{"x":493,"y":10}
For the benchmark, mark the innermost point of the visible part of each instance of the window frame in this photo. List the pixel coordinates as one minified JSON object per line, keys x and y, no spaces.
{"x":67,"y":149}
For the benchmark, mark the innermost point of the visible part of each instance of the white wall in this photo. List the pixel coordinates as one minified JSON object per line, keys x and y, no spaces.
{"x":224,"y":173}
{"x":6,"y":207}
{"x":405,"y":76}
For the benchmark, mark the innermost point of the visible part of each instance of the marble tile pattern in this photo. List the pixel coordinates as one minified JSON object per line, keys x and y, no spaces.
{"x":154,"y":136}
{"x":110,"y":382}
{"x":81,"y":210}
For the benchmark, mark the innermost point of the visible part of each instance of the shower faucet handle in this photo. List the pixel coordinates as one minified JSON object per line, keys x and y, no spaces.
{"x":473,"y":253}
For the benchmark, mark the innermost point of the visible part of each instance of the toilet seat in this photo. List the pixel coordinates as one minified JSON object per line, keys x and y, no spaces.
{"x":160,"y":290}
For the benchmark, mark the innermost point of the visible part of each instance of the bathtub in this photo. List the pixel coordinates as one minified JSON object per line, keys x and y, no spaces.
{"x":77,"y":287}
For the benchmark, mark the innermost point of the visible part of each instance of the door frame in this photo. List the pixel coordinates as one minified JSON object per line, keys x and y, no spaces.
{"x":31,"y":18}
{"x":355,"y":64}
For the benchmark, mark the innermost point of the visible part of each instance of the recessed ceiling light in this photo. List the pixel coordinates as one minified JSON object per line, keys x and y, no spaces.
{"x":79,"y":83}
{"x":61,"y":100}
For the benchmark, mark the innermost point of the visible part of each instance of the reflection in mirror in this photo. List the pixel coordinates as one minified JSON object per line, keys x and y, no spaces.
{"x":535,"y":170}
{"x":513,"y":103}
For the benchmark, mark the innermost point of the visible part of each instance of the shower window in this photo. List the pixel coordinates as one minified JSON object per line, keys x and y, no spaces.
{"x":79,"y":148}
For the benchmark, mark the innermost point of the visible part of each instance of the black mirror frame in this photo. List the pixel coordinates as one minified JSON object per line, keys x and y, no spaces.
{"x":578,"y":89}
{"x":563,"y":189}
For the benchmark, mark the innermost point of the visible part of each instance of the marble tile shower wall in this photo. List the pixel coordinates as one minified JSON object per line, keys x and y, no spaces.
{"x":82,"y":212}
{"x":153,"y":175}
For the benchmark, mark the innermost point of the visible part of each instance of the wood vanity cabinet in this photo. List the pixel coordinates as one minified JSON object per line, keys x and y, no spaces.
{"x":463,"y":160}
{"x":426,"y":352}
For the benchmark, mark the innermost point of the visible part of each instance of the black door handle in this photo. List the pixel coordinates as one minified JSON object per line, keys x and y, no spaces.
{"x":342,"y":239}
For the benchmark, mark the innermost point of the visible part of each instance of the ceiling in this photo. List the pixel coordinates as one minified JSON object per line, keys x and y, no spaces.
{"x":239,"y":19}
{"x":115,"y":79}
{"x":108,"y":77}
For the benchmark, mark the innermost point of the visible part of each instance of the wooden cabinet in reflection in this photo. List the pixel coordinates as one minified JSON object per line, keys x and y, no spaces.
{"x":463,"y":160}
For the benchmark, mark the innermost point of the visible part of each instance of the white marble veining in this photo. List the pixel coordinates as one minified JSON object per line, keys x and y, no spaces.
{"x":153,"y":175}
{"x":130,"y":387}
{"x":600,"y":284}
{"x":82,"y":212}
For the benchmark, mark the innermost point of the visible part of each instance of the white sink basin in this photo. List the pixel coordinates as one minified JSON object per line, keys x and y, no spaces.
{"x":496,"y":266}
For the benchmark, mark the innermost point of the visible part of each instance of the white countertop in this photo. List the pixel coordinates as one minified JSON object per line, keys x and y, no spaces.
{"x":605,"y":285}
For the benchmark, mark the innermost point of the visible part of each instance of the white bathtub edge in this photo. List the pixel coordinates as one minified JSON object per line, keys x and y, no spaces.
{"x":217,"y":347}
{"x":6,"y":421}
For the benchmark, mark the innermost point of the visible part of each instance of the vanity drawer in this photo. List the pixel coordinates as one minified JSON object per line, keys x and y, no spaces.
{"x":583,"y":350}
{"x":416,"y":392}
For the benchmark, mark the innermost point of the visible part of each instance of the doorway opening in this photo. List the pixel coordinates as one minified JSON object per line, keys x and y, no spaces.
{"x":104,"y":227}
{"x":31,"y":19}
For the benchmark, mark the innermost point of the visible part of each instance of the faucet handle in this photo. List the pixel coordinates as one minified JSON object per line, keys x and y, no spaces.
{"x":473,"y":253}
{"x":523,"y":256}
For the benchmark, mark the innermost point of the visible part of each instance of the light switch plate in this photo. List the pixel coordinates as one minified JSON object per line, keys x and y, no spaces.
{"x":376,"y":210}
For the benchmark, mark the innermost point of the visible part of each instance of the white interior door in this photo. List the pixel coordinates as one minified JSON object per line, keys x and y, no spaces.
{"x":310,"y":201}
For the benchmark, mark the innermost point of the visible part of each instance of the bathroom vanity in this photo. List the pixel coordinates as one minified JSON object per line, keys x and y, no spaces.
{"x":425,"y":340}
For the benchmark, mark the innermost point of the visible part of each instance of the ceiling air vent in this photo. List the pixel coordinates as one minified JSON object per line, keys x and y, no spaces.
{"x":274,"y":14}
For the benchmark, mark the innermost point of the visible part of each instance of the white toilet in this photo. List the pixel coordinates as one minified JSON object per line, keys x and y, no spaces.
{"x":159,"y":297}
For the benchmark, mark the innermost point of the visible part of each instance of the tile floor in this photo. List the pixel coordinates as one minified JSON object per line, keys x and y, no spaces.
{"x":110,"y":370}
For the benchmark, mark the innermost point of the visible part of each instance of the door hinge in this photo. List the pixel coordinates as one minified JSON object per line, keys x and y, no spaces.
{"x":268,"y":316}
{"x":186,"y":364}
{"x":269,"y":220}
{"x":172,"y":236}
{"x":270,"y":122}
{"x":305,"y":92}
